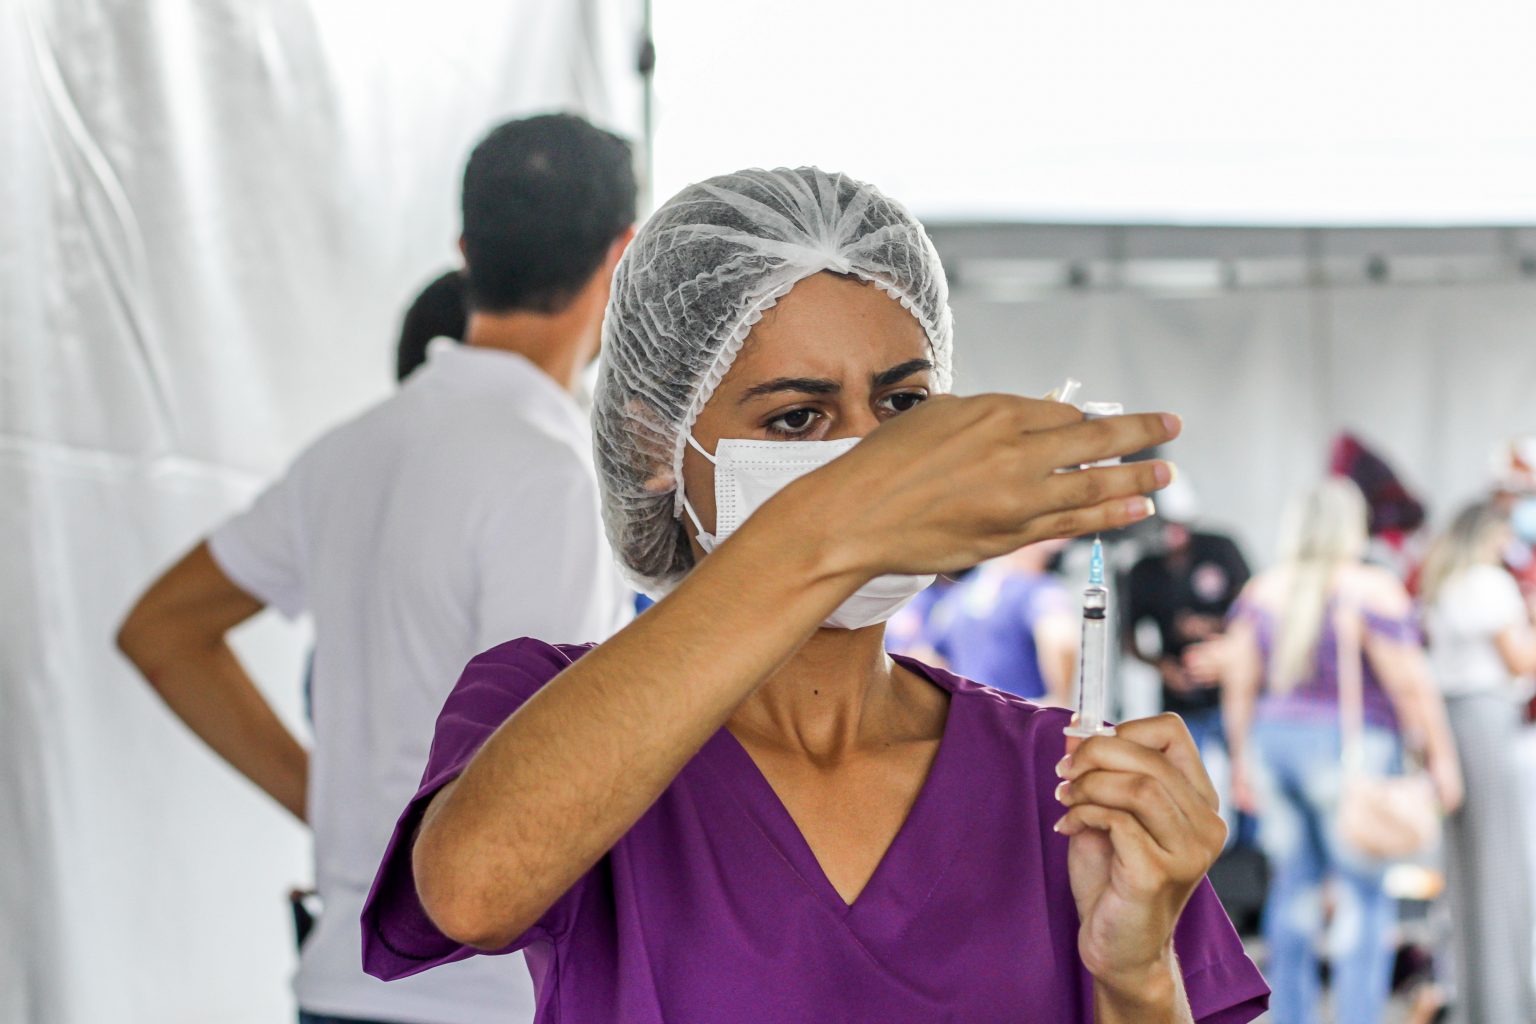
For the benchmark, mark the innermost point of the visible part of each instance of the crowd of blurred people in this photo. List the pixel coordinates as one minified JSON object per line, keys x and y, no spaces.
{"x":1373,"y":648}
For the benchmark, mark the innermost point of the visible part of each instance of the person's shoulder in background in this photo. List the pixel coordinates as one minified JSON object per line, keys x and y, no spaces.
{"x":1266,"y":590}
{"x":1479,"y":599}
{"x":1380,"y":591}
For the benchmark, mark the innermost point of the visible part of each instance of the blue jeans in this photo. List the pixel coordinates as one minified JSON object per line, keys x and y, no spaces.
{"x":1300,"y":782}
{"x":1205,"y":728}
{"x":320,"y":1018}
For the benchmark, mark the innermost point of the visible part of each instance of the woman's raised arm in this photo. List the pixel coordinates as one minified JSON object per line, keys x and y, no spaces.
{"x":942,"y":486}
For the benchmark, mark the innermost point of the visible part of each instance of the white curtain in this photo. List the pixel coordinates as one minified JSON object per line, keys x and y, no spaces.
{"x":211,"y":215}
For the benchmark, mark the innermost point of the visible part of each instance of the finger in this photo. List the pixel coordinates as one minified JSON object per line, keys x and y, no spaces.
{"x":1114,"y":436}
{"x":1036,"y":414}
{"x":1143,"y":796}
{"x":1101,"y":518}
{"x":1169,"y":736}
{"x":1145,"y":862}
{"x":1088,"y":487}
{"x":1160,"y":746}
{"x":1191,"y":840}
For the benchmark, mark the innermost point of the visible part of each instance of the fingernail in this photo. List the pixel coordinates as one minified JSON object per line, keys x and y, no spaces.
{"x":1139,"y":508}
{"x":1063,"y":766}
{"x":1162,"y":473}
{"x":1061,"y":791}
{"x":1172,"y":423}
{"x":1057,"y":827}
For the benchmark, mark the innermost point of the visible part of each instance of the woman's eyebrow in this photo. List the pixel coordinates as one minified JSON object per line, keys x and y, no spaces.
{"x":896,"y":374}
{"x":826,"y":386}
{"x":806,"y":385}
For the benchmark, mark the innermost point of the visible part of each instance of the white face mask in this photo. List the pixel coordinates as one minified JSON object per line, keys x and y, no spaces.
{"x":748,"y":473}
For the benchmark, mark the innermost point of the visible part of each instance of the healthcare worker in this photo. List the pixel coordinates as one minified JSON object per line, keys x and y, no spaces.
{"x":458,"y":513}
{"x":740,"y":808}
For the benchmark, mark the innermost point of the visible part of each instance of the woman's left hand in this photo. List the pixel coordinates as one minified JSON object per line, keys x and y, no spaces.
{"x":1145,"y":827}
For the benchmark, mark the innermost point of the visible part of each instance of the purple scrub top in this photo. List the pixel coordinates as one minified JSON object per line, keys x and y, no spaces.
{"x":713,"y":908}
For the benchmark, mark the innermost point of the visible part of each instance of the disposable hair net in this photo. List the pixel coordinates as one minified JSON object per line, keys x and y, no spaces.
{"x":700,"y":273}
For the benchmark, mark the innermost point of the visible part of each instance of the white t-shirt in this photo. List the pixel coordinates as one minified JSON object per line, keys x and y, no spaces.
{"x":459,"y":513}
{"x":1472,"y":608}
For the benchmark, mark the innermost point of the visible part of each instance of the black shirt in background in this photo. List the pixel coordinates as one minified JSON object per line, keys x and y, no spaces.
{"x":1205,"y":578}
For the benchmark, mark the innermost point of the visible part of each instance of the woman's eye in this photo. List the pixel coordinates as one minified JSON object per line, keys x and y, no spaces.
{"x":904,"y":400}
{"x":796,"y":421}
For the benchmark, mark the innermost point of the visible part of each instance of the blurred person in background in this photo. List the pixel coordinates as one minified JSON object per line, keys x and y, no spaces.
{"x":438,"y":312}
{"x":405,"y":534}
{"x":1483,"y":648}
{"x":1514,"y":494}
{"x":910,"y":630}
{"x":1184,"y":586}
{"x":1394,"y":516}
{"x":1284,"y":729}
{"x":1011,"y":625}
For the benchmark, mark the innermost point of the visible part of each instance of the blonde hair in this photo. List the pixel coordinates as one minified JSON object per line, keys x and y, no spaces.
{"x":1458,"y":548}
{"x":1325,"y":528}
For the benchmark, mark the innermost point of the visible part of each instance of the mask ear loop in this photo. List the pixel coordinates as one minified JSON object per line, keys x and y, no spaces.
{"x":706,"y":539}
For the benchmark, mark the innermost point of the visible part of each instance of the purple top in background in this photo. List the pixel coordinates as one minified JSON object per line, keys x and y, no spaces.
{"x":713,"y":908}
{"x":1316,"y":698}
{"x":985,"y":627}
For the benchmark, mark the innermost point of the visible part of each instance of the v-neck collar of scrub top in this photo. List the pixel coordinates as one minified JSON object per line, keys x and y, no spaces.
{"x":923,"y":848}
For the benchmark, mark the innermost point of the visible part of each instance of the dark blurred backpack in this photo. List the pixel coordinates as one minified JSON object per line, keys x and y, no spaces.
{"x":1240,"y":877}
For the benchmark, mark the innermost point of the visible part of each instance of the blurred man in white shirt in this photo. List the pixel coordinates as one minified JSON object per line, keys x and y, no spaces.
{"x":408,"y":534}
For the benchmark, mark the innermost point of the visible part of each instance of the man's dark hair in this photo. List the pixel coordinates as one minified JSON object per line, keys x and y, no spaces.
{"x":438,"y":312}
{"x":544,"y":199}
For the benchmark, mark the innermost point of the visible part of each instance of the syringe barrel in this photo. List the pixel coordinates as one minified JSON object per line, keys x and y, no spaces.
{"x":1093,"y":667}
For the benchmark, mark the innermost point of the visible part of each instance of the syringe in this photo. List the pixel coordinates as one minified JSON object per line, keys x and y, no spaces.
{"x":1093,"y":658}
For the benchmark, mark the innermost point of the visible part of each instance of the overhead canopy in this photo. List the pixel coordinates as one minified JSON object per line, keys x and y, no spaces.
{"x":1204,"y":111}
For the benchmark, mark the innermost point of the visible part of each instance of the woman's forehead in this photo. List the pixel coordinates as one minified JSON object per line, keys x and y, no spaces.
{"x":829,"y":327}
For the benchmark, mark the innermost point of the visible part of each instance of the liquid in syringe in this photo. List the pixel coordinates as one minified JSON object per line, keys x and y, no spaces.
{"x":1094,"y":655}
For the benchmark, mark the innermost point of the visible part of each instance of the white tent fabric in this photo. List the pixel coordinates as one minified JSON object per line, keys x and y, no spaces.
{"x":211,"y":215}
{"x":1197,"y":112}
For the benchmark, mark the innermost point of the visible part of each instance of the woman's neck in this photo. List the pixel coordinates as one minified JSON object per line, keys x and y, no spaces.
{"x":839,"y":693}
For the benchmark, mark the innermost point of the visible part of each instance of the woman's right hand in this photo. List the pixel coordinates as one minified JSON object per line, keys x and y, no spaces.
{"x":956,"y":481}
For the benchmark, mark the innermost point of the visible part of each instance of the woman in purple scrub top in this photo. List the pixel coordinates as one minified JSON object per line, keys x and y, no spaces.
{"x":740,"y":808}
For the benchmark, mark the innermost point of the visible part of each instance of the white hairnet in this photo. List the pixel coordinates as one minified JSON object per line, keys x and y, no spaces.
{"x":701,"y":271}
